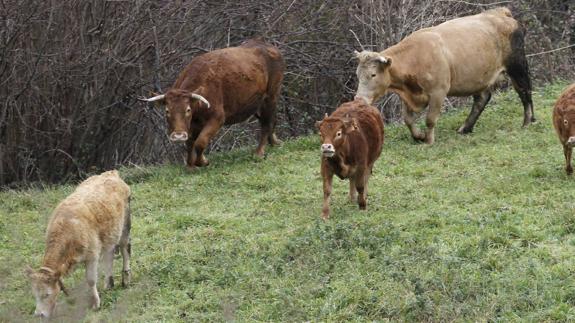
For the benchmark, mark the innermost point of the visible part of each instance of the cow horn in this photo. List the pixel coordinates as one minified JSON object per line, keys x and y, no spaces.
{"x":201,"y":98}
{"x":152,"y":99}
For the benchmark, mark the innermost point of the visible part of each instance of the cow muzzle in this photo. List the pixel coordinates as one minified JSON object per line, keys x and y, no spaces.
{"x":327,"y":150}
{"x":571,"y":141}
{"x":178,"y":136}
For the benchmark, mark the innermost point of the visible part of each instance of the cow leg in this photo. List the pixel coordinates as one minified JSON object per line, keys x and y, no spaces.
{"x":92,"y":279}
{"x":108,"y":260}
{"x":435,"y":103}
{"x":126,"y":247}
{"x":352,"y":190}
{"x":567,"y":150}
{"x":196,"y":155}
{"x":266,"y":126}
{"x":327,"y":175}
{"x":361,"y":186}
{"x":409,"y":119}
{"x":518,"y":70}
{"x":479,"y":102}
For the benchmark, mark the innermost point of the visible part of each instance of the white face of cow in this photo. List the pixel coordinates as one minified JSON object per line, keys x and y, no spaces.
{"x":45,"y":288}
{"x":372,"y":75}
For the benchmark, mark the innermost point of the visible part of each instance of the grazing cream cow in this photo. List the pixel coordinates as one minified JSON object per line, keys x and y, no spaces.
{"x":90,"y":222}
{"x":460,"y":57}
{"x":351,"y":142}
{"x":564,"y":123}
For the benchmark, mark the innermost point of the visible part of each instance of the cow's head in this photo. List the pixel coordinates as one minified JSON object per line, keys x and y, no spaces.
{"x":179,"y":105}
{"x":46,"y":285}
{"x":568,"y":129}
{"x":333,"y":132}
{"x":372,"y":75}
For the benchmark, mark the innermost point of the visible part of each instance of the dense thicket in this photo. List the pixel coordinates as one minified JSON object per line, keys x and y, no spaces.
{"x":70,"y":70}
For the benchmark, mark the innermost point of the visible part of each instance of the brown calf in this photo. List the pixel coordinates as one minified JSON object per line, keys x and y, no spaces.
{"x":225,"y":86}
{"x":564,"y":123}
{"x":460,"y":57}
{"x":351,"y":141}
{"x":88,"y":223}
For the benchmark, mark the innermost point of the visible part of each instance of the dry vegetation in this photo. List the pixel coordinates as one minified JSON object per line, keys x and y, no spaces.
{"x":70,"y":70}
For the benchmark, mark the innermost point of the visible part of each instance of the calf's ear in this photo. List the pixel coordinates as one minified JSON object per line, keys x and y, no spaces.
{"x":384,"y":61}
{"x":349,"y":124}
{"x":318,"y":124}
{"x":29,"y":272}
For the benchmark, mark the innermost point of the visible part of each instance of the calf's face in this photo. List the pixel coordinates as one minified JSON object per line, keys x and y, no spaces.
{"x":372,"y":75}
{"x":333,"y":133}
{"x":568,"y":130}
{"x":45,"y":287}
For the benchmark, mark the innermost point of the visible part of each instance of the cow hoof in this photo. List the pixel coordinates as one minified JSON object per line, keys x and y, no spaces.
{"x":463,"y":130}
{"x":96,"y":303}
{"x":126,"y":278}
{"x":569,"y":170}
{"x":260,"y":154}
{"x":191,"y":169}
{"x":109,"y":283}
{"x":202,"y":162}
{"x":419,"y":138}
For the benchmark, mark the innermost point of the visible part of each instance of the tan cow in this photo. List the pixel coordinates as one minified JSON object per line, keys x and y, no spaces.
{"x":351,"y":142}
{"x":90,"y":222}
{"x":460,"y":57}
{"x":564,"y":123}
{"x":225,"y":86}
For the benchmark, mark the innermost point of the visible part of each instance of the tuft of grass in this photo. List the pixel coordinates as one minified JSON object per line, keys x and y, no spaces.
{"x":474,"y":228}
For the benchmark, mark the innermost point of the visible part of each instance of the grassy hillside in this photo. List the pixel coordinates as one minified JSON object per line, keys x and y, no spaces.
{"x":478,"y":227}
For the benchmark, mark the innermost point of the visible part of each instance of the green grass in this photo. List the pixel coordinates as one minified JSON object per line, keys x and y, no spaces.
{"x":474,"y":228}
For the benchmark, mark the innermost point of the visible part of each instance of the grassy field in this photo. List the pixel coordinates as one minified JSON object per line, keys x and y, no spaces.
{"x":474,"y":228}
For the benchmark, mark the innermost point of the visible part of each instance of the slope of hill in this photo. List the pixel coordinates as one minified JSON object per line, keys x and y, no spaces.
{"x":477,"y":227}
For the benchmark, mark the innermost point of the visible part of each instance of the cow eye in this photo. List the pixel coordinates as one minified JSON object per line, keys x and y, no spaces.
{"x":565,"y":122}
{"x":373,"y":75}
{"x":167,"y":110}
{"x":188,"y":109}
{"x":338,"y":134}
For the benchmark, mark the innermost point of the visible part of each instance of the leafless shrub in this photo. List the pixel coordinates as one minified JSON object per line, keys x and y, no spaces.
{"x":70,"y":70}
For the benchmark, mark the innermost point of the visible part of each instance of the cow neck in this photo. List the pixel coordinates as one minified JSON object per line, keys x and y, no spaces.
{"x":396,"y":80}
{"x":59,"y":258}
{"x":346,"y":149}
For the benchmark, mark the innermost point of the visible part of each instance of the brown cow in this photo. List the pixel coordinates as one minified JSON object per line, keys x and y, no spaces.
{"x":225,"y":86}
{"x":460,"y":57}
{"x":351,"y":141}
{"x":90,"y":222}
{"x":564,"y":123}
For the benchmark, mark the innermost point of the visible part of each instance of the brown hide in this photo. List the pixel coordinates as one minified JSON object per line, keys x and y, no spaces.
{"x":238,"y":82}
{"x":460,"y":57}
{"x":88,"y":223}
{"x":564,"y":123}
{"x":352,"y":139}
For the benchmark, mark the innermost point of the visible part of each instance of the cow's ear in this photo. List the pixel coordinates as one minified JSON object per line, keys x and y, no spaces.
{"x":384,"y":61}
{"x":349,"y":125}
{"x":318,"y":124}
{"x":356,"y":55}
{"x":29,"y":272}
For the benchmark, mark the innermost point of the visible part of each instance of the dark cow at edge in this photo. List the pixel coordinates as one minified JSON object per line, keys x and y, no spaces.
{"x":351,"y":142}
{"x":225,"y":86}
{"x":460,"y":57}
{"x":564,"y":123}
